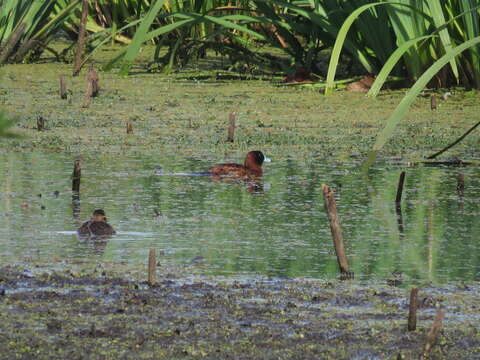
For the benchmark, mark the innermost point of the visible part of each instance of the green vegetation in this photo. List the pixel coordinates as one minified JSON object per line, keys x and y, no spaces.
{"x":187,"y":113}
{"x":179,"y":124}
{"x":433,"y":41}
{"x":27,"y":27}
{"x":369,"y":32}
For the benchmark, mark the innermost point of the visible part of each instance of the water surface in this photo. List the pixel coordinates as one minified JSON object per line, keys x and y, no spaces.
{"x":277,"y":227}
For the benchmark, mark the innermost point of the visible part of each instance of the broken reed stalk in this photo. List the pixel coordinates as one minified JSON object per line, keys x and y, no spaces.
{"x":412,"y":309}
{"x":92,"y":86}
{"x":152,"y":263}
{"x":63,"y":87}
{"x":40,"y":123}
{"x":460,"y":184}
{"x":401,"y":180}
{"x":77,"y":174}
{"x":129,"y":127}
{"x":433,"y":102}
{"x":93,"y":78}
{"x":82,"y":35}
{"x":231,"y":127}
{"x":455,"y":142}
{"x":336,"y":230}
{"x":433,"y":334}
{"x":88,"y":94}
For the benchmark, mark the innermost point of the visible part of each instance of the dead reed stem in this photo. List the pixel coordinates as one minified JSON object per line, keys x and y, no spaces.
{"x":331,"y":208}
{"x":152,"y":263}
{"x":40,"y":123}
{"x":77,"y":174}
{"x":401,"y":181}
{"x":62,"y":87}
{"x":412,"y":312}
{"x":231,"y":127}
{"x":433,"y":334}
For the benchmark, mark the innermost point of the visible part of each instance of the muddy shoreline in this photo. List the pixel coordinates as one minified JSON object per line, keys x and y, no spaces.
{"x":100,"y":313}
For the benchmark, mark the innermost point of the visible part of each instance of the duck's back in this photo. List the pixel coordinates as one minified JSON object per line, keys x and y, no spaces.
{"x":228,"y":169}
{"x":96,"y":228}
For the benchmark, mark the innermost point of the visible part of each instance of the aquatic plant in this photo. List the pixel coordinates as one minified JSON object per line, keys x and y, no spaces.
{"x":403,"y":38}
{"x":27,"y":27}
{"x":422,"y":35}
{"x":412,"y":94}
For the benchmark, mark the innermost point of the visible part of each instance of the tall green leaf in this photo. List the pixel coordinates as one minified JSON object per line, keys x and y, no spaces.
{"x":390,"y":63}
{"x":412,"y":94}
{"x":140,"y":37}
{"x":439,"y":20}
{"x":342,"y":34}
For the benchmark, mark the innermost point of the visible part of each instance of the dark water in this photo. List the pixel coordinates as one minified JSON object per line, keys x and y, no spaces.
{"x":278,"y":227}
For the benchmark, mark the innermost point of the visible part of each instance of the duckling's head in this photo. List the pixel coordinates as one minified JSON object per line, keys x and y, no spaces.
{"x":99,"y":215}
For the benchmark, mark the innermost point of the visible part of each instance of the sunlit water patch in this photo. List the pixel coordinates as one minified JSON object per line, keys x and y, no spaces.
{"x":276,"y":227}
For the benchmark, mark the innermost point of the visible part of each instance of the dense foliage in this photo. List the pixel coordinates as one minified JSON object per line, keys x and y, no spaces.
{"x":403,"y":37}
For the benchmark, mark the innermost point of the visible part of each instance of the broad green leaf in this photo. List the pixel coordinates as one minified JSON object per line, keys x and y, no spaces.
{"x":140,"y":36}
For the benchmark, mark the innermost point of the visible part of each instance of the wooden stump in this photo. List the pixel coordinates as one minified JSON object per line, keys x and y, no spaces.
{"x":412,"y":313}
{"x":77,"y":174}
{"x":433,"y":334}
{"x":401,"y":181}
{"x":88,"y":94}
{"x":129,"y":127}
{"x":231,"y":127}
{"x":331,"y":208}
{"x":152,"y":267}
{"x":94,"y":79}
{"x":433,"y":102}
{"x":40,"y":123}
{"x":62,"y":88}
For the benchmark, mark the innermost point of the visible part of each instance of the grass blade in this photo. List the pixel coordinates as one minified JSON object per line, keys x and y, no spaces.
{"x":390,"y":64}
{"x":337,"y":48}
{"x":140,"y":37}
{"x":439,"y":20}
{"x":412,"y":94}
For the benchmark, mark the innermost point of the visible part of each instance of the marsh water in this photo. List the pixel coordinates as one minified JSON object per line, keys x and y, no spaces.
{"x":277,"y":227}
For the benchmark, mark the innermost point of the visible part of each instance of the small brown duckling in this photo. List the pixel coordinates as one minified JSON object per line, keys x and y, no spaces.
{"x":96,"y":226}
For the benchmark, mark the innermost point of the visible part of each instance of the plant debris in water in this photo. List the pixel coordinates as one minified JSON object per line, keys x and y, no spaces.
{"x":98,"y":314}
{"x":187,"y":113}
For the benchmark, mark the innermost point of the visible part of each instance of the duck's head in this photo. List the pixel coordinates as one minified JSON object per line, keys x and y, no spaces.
{"x":255,"y":159}
{"x":99,"y":215}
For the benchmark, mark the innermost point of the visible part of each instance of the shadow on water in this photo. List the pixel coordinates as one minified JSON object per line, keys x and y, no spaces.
{"x":275,"y":226}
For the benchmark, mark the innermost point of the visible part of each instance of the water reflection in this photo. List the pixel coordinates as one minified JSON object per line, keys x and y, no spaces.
{"x":275,"y":226}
